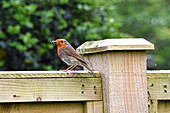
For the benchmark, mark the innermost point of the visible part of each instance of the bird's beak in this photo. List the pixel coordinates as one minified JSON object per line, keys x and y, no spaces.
{"x":54,"y":41}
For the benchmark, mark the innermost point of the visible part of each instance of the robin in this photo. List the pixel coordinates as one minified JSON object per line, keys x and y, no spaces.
{"x":69,"y":55}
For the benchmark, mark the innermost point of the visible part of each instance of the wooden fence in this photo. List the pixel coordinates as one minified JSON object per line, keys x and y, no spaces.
{"x":120,"y":87}
{"x":50,"y":92}
{"x":59,"y":92}
{"x":159,"y":91}
{"x":122,"y":65}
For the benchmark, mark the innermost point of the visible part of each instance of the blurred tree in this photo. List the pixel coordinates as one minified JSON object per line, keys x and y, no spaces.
{"x":149,"y":19}
{"x":28,"y":26}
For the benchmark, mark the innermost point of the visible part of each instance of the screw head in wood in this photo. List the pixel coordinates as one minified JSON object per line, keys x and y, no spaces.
{"x":165,"y":86}
{"x":151,"y":85}
{"x":165,"y":91}
{"x":39,"y":99}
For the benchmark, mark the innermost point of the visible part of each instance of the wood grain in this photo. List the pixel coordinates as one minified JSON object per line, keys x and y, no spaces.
{"x":59,"y":107}
{"x":93,"y":107}
{"x":163,"y":106}
{"x":115,"y":44}
{"x":159,"y":84}
{"x":153,"y":106}
{"x":46,"y":74}
{"x":159,"y":91}
{"x":50,"y":89}
{"x":124,"y":80}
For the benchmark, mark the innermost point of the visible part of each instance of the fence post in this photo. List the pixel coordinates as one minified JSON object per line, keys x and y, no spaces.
{"x":122,"y":64}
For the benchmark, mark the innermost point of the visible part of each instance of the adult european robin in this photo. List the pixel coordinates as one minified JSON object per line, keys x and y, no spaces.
{"x":69,"y":55}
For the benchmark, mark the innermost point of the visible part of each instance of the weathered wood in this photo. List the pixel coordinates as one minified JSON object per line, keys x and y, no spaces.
{"x":48,"y":86}
{"x":122,"y":64}
{"x":159,"y":91}
{"x":164,"y":106}
{"x":46,"y":74}
{"x":50,"y":89}
{"x":159,"y":84}
{"x":93,"y":107}
{"x":59,"y":107}
{"x":115,"y":44}
{"x":88,"y":107}
{"x":124,"y":80}
{"x":153,"y":106}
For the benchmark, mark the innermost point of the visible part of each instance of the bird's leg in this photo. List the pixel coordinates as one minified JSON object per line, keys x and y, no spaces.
{"x":67,"y":68}
{"x":73,"y":68}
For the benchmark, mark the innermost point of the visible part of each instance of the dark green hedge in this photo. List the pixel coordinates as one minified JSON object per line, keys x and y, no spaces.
{"x":28,"y":26}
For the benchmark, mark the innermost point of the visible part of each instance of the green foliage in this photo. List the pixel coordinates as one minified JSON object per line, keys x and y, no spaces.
{"x":28,"y":26}
{"x":149,"y":19}
{"x":13,"y":29}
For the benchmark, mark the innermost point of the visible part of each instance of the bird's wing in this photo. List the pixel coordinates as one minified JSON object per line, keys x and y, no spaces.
{"x":70,"y":51}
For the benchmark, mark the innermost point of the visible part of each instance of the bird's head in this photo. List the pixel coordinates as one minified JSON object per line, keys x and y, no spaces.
{"x":60,"y":42}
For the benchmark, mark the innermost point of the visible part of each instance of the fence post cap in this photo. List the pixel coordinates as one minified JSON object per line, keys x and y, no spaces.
{"x":114,"y":44}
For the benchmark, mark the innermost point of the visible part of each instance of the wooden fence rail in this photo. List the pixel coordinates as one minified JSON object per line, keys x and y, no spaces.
{"x":122,"y":87}
{"x":83,"y":91}
{"x":159,"y":91}
{"x":59,"y":92}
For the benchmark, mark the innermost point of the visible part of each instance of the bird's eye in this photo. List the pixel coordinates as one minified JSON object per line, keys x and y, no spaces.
{"x":61,"y":41}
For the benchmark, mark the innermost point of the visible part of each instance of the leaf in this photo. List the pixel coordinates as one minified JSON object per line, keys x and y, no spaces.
{"x":46,"y":15}
{"x":31,"y":8}
{"x":15,"y":2}
{"x":50,"y":46}
{"x":2,"y":62}
{"x":28,"y":40}
{"x":5,"y":4}
{"x":28,"y":24}
{"x":13,"y":29}
{"x":63,"y":1}
{"x":18,"y":46}
{"x":27,"y":61}
{"x":2,"y":35}
{"x":87,"y":7}
{"x":47,"y":67}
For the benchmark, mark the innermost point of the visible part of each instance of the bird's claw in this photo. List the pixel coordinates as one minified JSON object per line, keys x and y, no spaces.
{"x":72,"y":70}
{"x":66,"y":70}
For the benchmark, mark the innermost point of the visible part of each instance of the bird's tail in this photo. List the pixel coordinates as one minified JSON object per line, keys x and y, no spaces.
{"x":88,"y":68}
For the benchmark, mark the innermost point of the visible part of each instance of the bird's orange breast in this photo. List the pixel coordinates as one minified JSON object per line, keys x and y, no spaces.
{"x":59,"y":46}
{"x":58,"y":51}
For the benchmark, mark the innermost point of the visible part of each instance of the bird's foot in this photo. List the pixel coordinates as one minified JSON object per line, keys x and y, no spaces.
{"x":72,"y":70}
{"x":63,"y":70}
{"x":66,"y":70}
